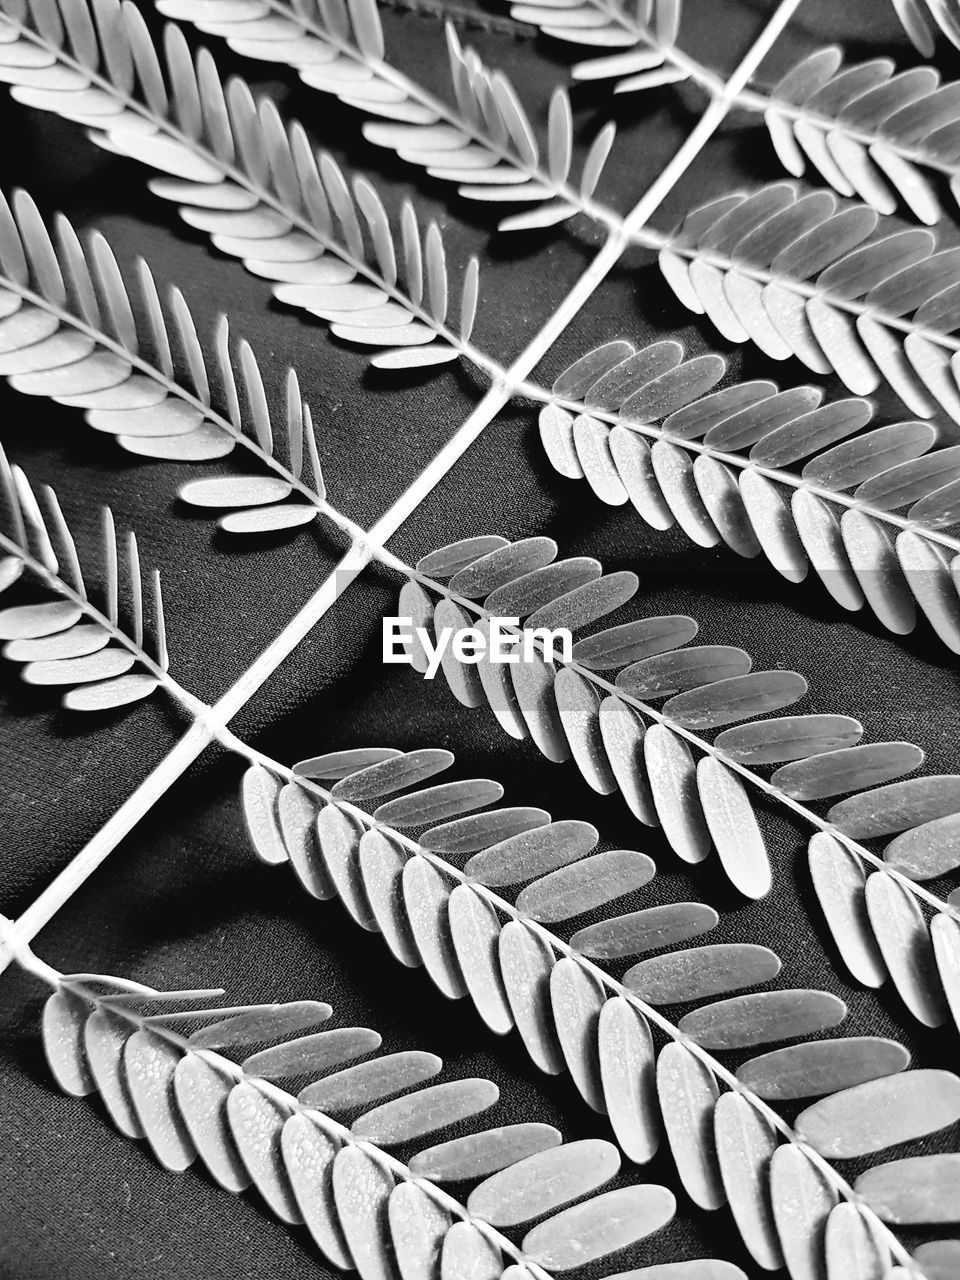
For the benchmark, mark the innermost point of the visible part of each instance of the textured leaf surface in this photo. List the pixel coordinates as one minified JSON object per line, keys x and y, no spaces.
{"x":763,"y":1017}
{"x":745,"y":1145}
{"x":475,"y":930}
{"x":737,"y":698}
{"x":256,"y":1120}
{"x":849,"y":769}
{"x":526,"y":964}
{"x":64,"y":1015}
{"x":627,"y":1069}
{"x":645,"y":930}
{"x":308,"y":1054}
{"x":361,"y":1189}
{"x":533,"y":853}
{"x":544,"y":1181}
{"x":802,"y":1202}
{"x":481,"y":830}
{"x":853,"y":1245}
{"x":437,"y":804}
{"x":104,"y":1037}
{"x":688,"y":1094}
{"x":881,"y":1113}
{"x":396,"y":773}
{"x":734,"y":829}
{"x":261,"y":791}
{"x":939,"y":1258}
{"x":201,"y":1090}
{"x":904,"y":942}
{"x":582,"y":886}
{"x":707,"y":970}
{"x":308,"y":1156}
{"x":577,"y":1000}
{"x":600,"y":1226}
{"x":671,"y":772}
{"x":150,"y":1063}
{"x":840,"y":885}
{"x":822,"y":1066}
{"x":259,"y":1023}
{"x":371,"y":1081}
{"x":926,"y":851}
{"x":480,"y":1154}
{"x":898,"y":806}
{"x":426,"y":1111}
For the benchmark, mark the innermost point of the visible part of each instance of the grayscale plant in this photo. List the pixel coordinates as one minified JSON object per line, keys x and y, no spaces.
{"x":481,"y":896}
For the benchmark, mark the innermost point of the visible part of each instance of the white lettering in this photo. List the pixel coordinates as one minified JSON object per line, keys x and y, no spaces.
{"x":555,"y":646}
{"x":397,"y":632}
{"x":434,"y":650}
{"x":501,"y":637}
{"x":498,"y":640}
{"x":469,"y":646}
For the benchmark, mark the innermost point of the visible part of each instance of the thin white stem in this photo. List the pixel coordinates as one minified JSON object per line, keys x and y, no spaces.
{"x":19,"y":949}
{"x":506,"y":386}
{"x":199,"y":736}
{"x":713,"y":117}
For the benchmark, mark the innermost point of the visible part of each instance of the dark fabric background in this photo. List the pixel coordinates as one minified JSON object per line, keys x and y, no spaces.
{"x":182,"y":902}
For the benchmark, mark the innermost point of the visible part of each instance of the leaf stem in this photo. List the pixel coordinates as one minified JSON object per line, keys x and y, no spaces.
{"x":208,"y":724}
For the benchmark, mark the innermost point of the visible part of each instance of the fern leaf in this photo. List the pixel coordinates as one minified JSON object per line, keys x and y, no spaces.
{"x":703,"y":803}
{"x":866,"y":131}
{"x":79,"y":642}
{"x":355,"y":1200}
{"x":157,"y":406}
{"x":866,"y":316}
{"x":237,"y":171}
{"x":602,"y":1030}
{"x":486,"y":145}
{"x":721,"y":465}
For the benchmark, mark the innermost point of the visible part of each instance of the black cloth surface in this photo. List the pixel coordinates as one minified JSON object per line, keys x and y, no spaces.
{"x":182,"y":902}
